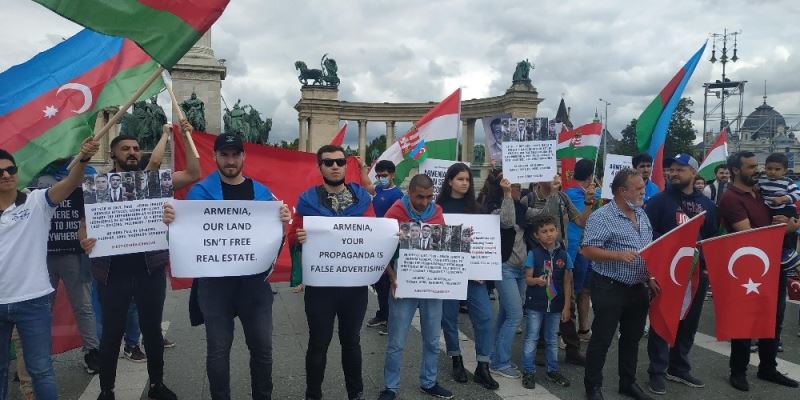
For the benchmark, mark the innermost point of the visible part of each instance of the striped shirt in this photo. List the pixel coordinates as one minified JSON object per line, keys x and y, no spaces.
{"x":609,"y":229}
{"x":774,"y":188}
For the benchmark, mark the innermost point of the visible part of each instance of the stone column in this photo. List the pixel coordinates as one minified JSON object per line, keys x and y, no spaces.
{"x":468,"y":140}
{"x":362,"y":139}
{"x":303,"y":142}
{"x":389,"y":133}
{"x":200,"y":72}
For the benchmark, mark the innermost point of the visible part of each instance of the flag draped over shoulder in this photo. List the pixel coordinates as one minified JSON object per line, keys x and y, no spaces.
{"x":287,"y":173}
{"x":166,"y":30}
{"x":652,"y":125}
{"x":434,"y":135}
{"x":717,"y":155}
{"x":49,"y":104}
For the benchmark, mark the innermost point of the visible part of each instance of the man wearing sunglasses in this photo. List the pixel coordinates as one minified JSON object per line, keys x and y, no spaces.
{"x":333,"y":198}
{"x":24,"y":281}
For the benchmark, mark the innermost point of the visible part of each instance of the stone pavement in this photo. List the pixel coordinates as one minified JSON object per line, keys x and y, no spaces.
{"x":185,"y":364}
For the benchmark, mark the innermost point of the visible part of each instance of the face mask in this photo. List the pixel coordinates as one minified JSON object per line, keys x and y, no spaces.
{"x":383,"y":180}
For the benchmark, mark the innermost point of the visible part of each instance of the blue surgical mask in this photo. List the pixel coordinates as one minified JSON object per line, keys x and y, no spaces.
{"x":383,"y":180}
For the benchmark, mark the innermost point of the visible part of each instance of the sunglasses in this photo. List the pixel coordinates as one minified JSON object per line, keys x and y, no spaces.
{"x":12,"y":170}
{"x":328,"y":162}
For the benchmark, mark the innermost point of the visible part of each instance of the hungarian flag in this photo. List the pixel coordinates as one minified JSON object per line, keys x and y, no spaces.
{"x":717,"y":155}
{"x":166,"y":30}
{"x":287,"y":173}
{"x":434,"y":135}
{"x":339,"y":138}
{"x":743,"y":269}
{"x":652,"y":125}
{"x":672,"y":262}
{"x":49,"y":104}
{"x":581,"y":142}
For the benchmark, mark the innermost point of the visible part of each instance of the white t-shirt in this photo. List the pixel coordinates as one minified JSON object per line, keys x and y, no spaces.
{"x":23,"y":249}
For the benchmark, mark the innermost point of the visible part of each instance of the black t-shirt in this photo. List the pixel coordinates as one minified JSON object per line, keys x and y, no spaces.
{"x":242,"y":191}
{"x":63,"y":237}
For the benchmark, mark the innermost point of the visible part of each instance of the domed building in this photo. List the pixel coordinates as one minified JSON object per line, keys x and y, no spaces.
{"x":765,"y":131}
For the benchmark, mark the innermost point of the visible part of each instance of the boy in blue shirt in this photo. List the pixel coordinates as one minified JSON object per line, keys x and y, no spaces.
{"x":548,"y":274}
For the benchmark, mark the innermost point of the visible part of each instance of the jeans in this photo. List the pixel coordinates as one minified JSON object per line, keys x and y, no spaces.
{"x":615,"y":304}
{"x":148,"y":291}
{"x":382,"y":290}
{"x":323,"y":305}
{"x":32,"y":319}
{"x":221,"y":300}
{"x":551,"y":322}
{"x":767,"y":348}
{"x":510,"y":292}
{"x":480,"y":314}
{"x":132,"y":331}
{"x":73,"y":269}
{"x":401,"y":312}
{"x":675,"y":360}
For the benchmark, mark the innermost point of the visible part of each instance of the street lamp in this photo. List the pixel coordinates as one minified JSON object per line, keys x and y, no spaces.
{"x":605,"y":128}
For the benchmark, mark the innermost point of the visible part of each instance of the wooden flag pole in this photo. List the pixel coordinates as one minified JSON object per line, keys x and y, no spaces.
{"x":122,"y":110}
{"x":181,"y":115}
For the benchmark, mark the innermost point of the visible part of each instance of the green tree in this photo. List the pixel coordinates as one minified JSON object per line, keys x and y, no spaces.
{"x":681,"y":133}
{"x":293,"y":145}
{"x":375,"y":148}
{"x":627,"y":145}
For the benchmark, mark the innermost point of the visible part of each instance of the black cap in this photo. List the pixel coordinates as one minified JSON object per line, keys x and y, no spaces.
{"x":226,"y":140}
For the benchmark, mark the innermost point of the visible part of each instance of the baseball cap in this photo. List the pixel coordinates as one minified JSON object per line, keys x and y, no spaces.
{"x":228,"y":140}
{"x":687,"y":160}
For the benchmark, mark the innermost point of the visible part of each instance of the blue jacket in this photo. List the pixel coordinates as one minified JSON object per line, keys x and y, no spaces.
{"x":536,"y":296}
{"x":210,"y":188}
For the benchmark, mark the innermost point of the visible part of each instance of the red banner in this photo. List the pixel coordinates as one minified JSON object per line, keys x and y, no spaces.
{"x":287,"y":173}
{"x":64,"y":329}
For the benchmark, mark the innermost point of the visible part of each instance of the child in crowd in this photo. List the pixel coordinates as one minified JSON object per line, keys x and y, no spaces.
{"x":548,"y":274}
{"x":780,"y":193}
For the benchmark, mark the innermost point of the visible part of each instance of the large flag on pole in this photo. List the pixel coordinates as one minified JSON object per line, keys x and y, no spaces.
{"x":49,"y":104}
{"x":651,"y":127}
{"x":717,"y":155}
{"x":435,"y":135}
{"x":166,"y":30}
{"x":744,"y":268}
{"x":339,"y":138}
{"x":672,"y":262}
{"x":581,"y":142}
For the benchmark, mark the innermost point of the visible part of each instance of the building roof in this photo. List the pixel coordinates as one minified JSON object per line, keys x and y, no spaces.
{"x":764,"y":122}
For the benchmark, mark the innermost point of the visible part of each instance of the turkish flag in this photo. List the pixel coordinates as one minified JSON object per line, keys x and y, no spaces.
{"x":743,"y":269}
{"x":671,"y":261}
{"x":793,"y":288}
{"x":287,"y":173}
{"x":63,"y":328}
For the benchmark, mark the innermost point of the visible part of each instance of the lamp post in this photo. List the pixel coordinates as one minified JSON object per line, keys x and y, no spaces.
{"x":604,"y":134}
{"x":723,"y":59}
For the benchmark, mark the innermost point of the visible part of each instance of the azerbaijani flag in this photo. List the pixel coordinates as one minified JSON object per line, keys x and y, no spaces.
{"x":651,"y":127}
{"x":166,"y":30}
{"x":581,"y":142}
{"x":434,"y":135}
{"x":49,"y":104}
{"x":717,"y":155}
{"x":550,"y":289}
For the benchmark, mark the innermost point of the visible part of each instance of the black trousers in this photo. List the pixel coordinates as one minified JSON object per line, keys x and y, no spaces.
{"x":221,"y":300}
{"x":148,"y":291}
{"x":323,"y":305}
{"x":569,"y":332}
{"x":615,"y":304}
{"x":382,"y":287}
{"x":767,"y":348}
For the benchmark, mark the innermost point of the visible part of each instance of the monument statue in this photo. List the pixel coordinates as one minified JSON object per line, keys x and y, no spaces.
{"x":523,"y":71}
{"x":479,"y":156}
{"x":259,"y":130}
{"x":194,"y":109}
{"x":235,"y":120}
{"x":326,"y":76}
{"x":246,"y":121}
{"x":144,"y":122}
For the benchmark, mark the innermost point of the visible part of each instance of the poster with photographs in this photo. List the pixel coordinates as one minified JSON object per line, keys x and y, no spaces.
{"x":542,"y":131}
{"x":124,"y":210}
{"x":493,"y":136}
{"x":437,"y":171}
{"x":484,"y":244}
{"x":433,"y":261}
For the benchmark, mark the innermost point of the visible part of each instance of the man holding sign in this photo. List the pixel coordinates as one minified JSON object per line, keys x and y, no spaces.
{"x":323,"y":304}
{"x":221,"y":299}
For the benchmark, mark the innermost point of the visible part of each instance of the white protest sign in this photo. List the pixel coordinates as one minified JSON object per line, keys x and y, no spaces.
{"x":437,"y":171}
{"x":124,"y":210}
{"x":614,"y":163}
{"x":347,"y":251}
{"x":483,"y":234}
{"x":213,"y":238}
{"x":427,"y":274}
{"x":531,"y":161}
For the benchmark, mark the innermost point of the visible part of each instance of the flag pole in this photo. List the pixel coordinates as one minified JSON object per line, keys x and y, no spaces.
{"x":181,"y":115}
{"x":122,"y":110}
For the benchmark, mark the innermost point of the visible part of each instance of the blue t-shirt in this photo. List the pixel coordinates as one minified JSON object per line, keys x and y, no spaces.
{"x":575,"y":232}
{"x":384,"y":198}
{"x":650,"y":190}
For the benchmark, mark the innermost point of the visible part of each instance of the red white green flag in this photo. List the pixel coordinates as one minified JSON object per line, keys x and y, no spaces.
{"x":166,"y":30}
{"x":717,"y":155}
{"x":581,"y":142}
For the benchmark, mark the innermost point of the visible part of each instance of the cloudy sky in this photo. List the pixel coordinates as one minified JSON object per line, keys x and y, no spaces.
{"x":421,"y":50}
